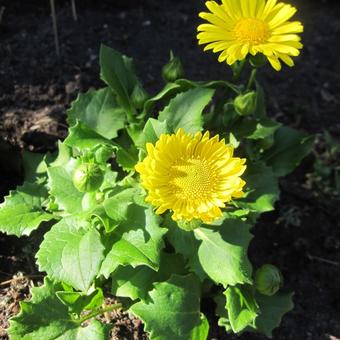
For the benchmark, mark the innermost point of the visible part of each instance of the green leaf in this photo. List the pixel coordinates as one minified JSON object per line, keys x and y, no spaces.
{"x":223,"y":252}
{"x":262,"y":189}
{"x":127,"y":158}
{"x":272,"y":309}
{"x":153,"y":129}
{"x":77,"y":302}
{"x":169,"y":90}
{"x":45,"y":317}
{"x":290,"y":147}
{"x":185,"y":244}
{"x":185,"y":110}
{"x":82,"y":137}
{"x":222,"y":313}
{"x":99,"y":111}
{"x":201,"y":331}
{"x":137,"y":241}
{"x":34,"y":165}
{"x":61,"y":187}
{"x":60,"y":157}
{"x":117,"y":206}
{"x":242,"y":307}
{"x":174,"y":310}
{"x":22,"y":211}
{"x":264,"y":128}
{"x":117,"y":71}
{"x":137,"y":282}
{"x":214,"y":84}
{"x":71,"y":252}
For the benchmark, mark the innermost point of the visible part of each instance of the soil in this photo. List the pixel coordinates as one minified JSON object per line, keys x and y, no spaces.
{"x":302,"y":237}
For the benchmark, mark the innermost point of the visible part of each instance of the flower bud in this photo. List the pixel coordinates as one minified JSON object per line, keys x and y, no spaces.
{"x":245,"y":104}
{"x":189,"y":225}
{"x":268,"y":279}
{"x":173,"y":70}
{"x":138,"y":96}
{"x":88,"y":177}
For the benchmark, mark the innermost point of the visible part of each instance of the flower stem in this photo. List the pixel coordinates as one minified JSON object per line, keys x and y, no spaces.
{"x":252,"y":78}
{"x":98,"y":312}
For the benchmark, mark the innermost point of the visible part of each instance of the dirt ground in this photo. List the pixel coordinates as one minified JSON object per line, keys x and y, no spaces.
{"x":302,"y":237}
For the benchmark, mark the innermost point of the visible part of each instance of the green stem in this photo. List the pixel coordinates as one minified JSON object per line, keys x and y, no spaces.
{"x":98,"y":312}
{"x":238,"y":73}
{"x":252,"y":78}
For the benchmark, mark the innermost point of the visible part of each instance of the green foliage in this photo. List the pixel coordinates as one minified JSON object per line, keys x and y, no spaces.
{"x":22,"y":212}
{"x":103,"y":233}
{"x":46,"y":317}
{"x":174,"y":310}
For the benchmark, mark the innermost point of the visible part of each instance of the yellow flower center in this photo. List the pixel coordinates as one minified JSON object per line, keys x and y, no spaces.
{"x":251,"y":31}
{"x":191,"y":179}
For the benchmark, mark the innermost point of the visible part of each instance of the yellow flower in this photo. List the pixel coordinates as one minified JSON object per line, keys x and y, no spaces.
{"x":239,"y":27}
{"x":191,"y":175}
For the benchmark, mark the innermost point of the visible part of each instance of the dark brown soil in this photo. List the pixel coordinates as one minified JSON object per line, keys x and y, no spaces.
{"x":302,"y":237}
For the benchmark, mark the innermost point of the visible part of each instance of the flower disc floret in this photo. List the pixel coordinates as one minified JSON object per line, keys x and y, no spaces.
{"x":237,"y":28}
{"x":191,"y":175}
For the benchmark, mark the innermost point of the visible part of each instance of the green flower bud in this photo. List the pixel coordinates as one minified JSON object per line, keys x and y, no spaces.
{"x":103,"y":153}
{"x":138,"y":96}
{"x":245,"y":104}
{"x":173,"y":70}
{"x":88,"y":177}
{"x":268,"y":279}
{"x":189,"y":225}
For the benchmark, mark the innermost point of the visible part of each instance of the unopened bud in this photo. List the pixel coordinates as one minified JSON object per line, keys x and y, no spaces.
{"x":173,"y":70}
{"x":138,"y":96}
{"x":88,"y":177}
{"x":268,"y":279}
{"x":245,"y":104}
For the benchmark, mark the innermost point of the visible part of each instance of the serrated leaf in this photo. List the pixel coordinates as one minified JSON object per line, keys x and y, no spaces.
{"x":262,"y":189}
{"x":223,"y":252}
{"x":127,"y":158}
{"x":34,"y":165}
{"x":185,"y":110}
{"x":201,"y":331}
{"x":22,"y":211}
{"x":137,"y":241}
{"x":77,"y":302}
{"x":222,"y":313}
{"x":272,"y":309}
{"x":117,"y":71}
{"x":289,"y":148}
{"x":137,"y":282}
{"x":99,"y":111}
{"x":62,"y":188}
{"x":174,"y":310}
{"x":45,"y":317}
{"x":83,"y":137}
{"x":241,"y":306}
{"x":60,"y":157}
{"x":71,"y":252}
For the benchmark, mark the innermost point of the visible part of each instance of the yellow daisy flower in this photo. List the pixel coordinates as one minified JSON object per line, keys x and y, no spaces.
{"x":191,"y":175}
{"x":239,"y":27}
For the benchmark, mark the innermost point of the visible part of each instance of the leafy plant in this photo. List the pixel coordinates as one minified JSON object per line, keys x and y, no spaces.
{"x":102,"y":231}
